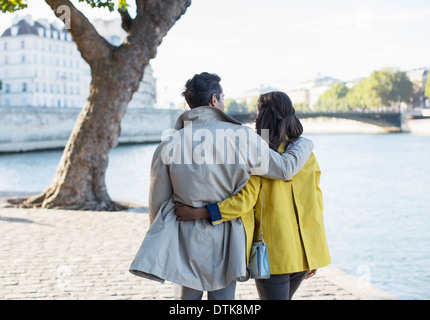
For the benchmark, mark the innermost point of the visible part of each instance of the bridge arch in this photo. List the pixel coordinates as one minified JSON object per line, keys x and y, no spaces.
{"x":389,"y":121}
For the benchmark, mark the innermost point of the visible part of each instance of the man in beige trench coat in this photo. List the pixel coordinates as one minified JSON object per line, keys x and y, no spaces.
{"x":206,"y":159}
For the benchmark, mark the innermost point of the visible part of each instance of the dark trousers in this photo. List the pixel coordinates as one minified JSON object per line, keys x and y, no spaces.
{"x":280,"y":286}
{"x":227,"y":293}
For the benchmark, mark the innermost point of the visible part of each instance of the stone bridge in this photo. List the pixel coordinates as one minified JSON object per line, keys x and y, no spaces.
{"x":390,"y":121}
{"x":25,"y":128}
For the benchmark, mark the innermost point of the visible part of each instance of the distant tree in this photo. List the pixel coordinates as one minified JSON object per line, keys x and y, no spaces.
{"x":390,"y":86}
{"x":252,"y":105}
{"x":231,"y":106}
{"x":116,"y":72}
{"x":302,"y":107}
{"x":333,"y":99}
{"x":427,"y":88}
{"x":362,"y":96}
{"x":386,"y":87}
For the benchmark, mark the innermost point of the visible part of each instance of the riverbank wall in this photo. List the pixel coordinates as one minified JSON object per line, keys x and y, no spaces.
{"x":29,"y":129}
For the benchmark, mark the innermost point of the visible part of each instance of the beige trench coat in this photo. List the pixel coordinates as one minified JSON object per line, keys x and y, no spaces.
{"x":208,"y":158}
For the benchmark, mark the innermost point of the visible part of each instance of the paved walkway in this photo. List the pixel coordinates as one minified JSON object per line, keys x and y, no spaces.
{"x":59,"y":254}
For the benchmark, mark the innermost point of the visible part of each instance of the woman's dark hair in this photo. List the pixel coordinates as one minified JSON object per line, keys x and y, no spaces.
{"x":276,"y":113}
{"x":200,"y":89}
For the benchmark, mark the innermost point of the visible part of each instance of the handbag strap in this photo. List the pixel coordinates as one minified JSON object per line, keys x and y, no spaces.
{"x":261,"y":212}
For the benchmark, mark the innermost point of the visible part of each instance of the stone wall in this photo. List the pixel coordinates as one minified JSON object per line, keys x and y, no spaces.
{"x":26,"y":129}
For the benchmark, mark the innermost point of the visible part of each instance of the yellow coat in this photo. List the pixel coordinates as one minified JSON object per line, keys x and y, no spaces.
{"x":293,"y":223}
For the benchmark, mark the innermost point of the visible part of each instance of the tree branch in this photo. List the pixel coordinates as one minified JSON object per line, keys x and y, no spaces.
{"x":126,"y":19}
{"x":153,"y":20}
{"x":140,"y":4}
{"x":91,"y":44}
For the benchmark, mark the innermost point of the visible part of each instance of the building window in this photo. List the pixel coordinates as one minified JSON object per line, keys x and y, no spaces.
{"x":5,"y":46}
{"x":7,"y":88}
{"x":23,"y":58}
{"x":22,"y":44}
{"x":24,"y":87}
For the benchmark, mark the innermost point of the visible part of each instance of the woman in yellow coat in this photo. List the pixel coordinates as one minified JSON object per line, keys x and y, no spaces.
{"x":292,"y":211}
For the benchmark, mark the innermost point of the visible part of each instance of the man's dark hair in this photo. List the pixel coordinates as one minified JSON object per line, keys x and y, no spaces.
{"x":200,"y":89}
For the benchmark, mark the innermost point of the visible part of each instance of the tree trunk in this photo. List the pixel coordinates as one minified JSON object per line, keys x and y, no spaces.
{"x":80,"y":179}
{"x":116,"y":74}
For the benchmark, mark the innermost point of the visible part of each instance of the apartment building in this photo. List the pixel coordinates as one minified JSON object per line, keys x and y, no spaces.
{"x":40,"y":66}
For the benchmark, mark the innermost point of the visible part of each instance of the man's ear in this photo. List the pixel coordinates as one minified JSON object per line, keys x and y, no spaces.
{"x":213,"y":100}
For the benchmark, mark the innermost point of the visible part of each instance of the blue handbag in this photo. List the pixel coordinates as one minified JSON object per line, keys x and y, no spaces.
{"x":258,"y":265}
{"x":259,"y":261}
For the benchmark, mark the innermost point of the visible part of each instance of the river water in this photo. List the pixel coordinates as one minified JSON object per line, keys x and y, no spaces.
{"x":376,"y":190}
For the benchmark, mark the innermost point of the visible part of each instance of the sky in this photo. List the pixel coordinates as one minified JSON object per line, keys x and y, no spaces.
{"x":279,"y":43}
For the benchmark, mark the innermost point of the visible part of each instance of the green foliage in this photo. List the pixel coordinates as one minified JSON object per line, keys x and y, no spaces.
{"x":363,"y":95}
{"x":252,"y":105}
{"x":15,"y":5}
{"x":109,"y":4}
{"x":12,"y":5}
{"x":427,"y":88}
{"x":382,"y":88}
{"x":391,"y":86}
{"x":302,"y":107}
{"x":122,"y":5}
{"x":333,"y":98}
{"x":232,"y":106}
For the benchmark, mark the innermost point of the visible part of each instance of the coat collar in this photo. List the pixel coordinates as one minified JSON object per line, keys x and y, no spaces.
{"x":204,"y":114}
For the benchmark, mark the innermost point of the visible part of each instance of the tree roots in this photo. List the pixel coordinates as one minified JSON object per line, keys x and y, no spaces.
{"x":39,"y":202}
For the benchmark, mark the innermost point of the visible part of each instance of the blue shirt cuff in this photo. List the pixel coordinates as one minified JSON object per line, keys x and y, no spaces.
{"x":215,"y":213}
